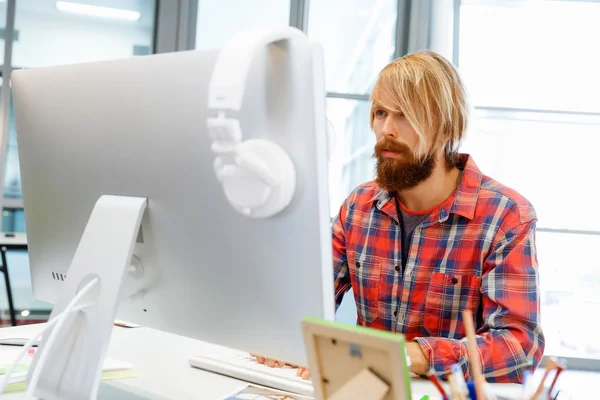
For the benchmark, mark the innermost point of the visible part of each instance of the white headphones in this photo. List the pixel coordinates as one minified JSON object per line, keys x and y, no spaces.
{"x":258,"y":176}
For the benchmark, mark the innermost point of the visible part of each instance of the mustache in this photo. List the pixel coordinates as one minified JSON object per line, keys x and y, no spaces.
{"x":390,"y":145}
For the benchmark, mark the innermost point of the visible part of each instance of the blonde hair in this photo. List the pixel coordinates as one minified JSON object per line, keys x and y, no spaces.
{"x":428,"y":90}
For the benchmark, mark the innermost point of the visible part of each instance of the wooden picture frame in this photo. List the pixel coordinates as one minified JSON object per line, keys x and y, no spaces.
{"x":353,"y":362}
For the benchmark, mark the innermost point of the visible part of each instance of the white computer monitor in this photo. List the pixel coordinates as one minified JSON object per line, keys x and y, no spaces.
{"x":138,"y":128}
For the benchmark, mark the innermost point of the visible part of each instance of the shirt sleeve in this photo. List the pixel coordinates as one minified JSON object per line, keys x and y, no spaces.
{"x":511,"y":340}
{"x":341,"y":273}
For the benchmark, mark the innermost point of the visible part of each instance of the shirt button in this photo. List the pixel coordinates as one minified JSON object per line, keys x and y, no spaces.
{"x":357,"y":264}
{"x":395,"y":313}
{"x":454,"y":281}
{"x":397,"y":268}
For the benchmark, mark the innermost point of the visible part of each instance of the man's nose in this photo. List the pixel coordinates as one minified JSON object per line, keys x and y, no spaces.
{"x":389,"y":129}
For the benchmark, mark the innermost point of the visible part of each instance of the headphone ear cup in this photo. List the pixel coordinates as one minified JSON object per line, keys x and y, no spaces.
{"x":243,"y":188}
{"x":262,"y":181}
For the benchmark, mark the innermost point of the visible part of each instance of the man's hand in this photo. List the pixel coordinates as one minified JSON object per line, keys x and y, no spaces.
{"x":269,"y":362}
{"x":418,"y":362}
{"x":303,"y":372}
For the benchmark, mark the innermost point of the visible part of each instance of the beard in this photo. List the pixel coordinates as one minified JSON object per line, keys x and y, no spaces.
{"x":406,"y":172}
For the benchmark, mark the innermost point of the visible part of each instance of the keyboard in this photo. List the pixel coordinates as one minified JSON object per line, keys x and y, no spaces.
{"x":242,"y":366}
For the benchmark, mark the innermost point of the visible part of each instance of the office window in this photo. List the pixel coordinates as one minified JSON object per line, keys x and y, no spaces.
{"x":358,"y":39}
{"x":351,"y":161}
{"x":3,"y":32}
{"x":535,"y":129}
{"x":13,"y":220}
{"x":12,"y":175}
{"x":47,"y":33}
{"x":28,"y":308}
{"x":60,"y":32}
{"x":570,"y":282}
{"x":547,"y":60}
{"x":218,"y":20}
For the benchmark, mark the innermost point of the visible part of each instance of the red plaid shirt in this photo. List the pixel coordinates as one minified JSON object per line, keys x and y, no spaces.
{"x":475,"y":251}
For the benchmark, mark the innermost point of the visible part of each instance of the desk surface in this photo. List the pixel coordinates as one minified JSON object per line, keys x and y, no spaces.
{"x":162,"y":359}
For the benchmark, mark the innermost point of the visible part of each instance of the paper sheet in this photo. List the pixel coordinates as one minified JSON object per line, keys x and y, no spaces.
{"x":106,"y":376}
{"x":253,"y":392}
{"x":112,"y":369}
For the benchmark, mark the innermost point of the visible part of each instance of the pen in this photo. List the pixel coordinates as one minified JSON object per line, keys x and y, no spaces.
{"x":436,"y":382}
{"x":472,"y":392}
{"x":559,"y":368}
{"x":474,"y":362}
{"x":550,"y":365}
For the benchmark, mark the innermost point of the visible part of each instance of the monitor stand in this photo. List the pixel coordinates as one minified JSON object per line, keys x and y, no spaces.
{"x":74,"y":362}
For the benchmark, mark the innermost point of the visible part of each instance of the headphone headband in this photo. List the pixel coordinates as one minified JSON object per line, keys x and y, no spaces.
{"x":228,"y":82}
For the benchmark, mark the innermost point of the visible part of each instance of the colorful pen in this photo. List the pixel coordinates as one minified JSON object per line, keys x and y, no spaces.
{"x":436,"y":382}
{"x":474,"y":361}
{"x":560,"y":367}
{"x":472,"y":392}
{"x":550,"y":365}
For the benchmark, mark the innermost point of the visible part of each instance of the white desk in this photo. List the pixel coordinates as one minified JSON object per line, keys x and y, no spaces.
{"x":162,"y":359}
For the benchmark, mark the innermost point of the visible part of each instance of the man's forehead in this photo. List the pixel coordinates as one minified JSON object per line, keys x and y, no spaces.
{"x":384,"y":98}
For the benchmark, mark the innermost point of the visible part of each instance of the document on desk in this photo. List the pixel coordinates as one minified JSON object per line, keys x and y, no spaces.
{"x":255,"y":392}
{"x":113,"y":369}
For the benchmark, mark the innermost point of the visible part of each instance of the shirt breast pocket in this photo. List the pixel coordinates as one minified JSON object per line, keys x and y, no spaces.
{"x":447,"y":296}
{"x":366,"y":275}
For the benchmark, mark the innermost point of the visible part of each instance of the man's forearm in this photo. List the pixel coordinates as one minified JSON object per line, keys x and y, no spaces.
{"x":503,"y":357}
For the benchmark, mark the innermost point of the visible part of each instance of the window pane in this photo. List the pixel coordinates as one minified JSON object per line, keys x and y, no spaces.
{"x":570,"y":282}
{"x":52,"y":33}
{"x":13,"y":220}
{"x":12,"y":174}
{"x":546,"y":59}
{"x":214,"y":27}
{"x":29,"y":310}
{"x":2,"y":28}
{"x":351,"y":161}
{"x":550,"y":159}
{"x":358,"y":39}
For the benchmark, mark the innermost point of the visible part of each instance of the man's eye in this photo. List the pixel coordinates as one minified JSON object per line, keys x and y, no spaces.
{"x":380,"y":113}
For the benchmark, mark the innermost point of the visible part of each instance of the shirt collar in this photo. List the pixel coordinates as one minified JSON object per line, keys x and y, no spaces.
{"x":465,"y":196}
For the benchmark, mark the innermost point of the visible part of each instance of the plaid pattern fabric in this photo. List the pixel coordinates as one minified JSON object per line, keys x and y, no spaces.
{"x":476,"y":251}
